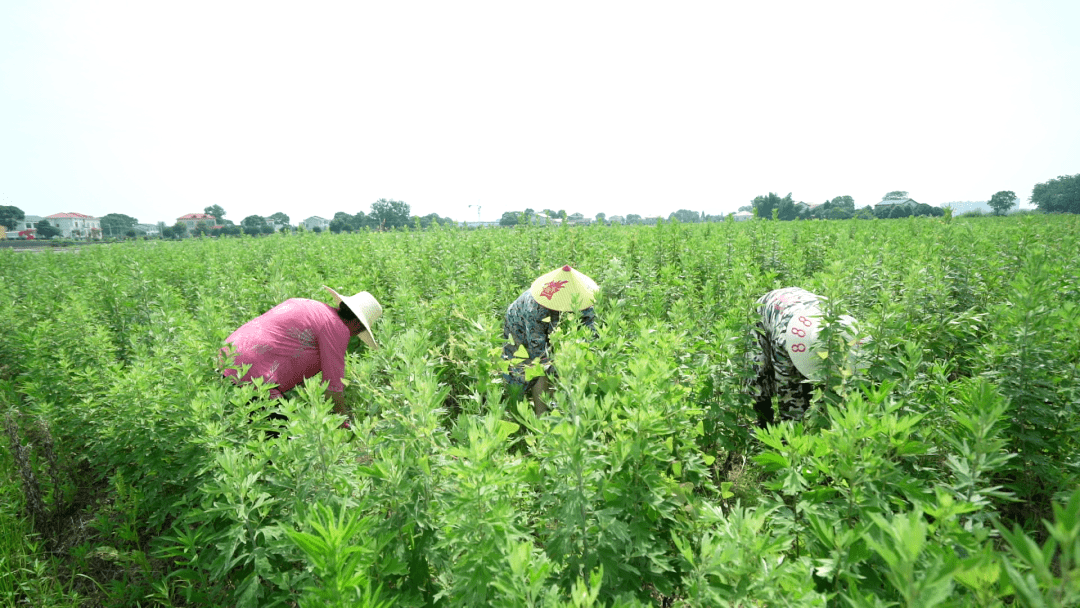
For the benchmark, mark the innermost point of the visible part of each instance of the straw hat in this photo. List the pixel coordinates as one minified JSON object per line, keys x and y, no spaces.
{"x":365,"y":307}
{"x":556,"y":290}
{"x":801,"y":344}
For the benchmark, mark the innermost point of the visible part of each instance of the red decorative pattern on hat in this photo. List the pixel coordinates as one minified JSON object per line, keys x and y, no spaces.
{"x":551,"y":288}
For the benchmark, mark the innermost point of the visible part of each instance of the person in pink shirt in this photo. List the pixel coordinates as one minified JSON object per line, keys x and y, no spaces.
{"x":299,"y":338}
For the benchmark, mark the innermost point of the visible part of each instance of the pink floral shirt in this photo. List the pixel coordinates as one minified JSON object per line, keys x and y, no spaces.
{"x":291,"y":342}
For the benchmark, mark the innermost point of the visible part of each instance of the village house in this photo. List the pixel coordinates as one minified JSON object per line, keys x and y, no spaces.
{"x":24,"y":227}
{"x":76,"y":225}
{"x":315,"y":221}
{"x":892,"y":203}
{"x":192,"y":219}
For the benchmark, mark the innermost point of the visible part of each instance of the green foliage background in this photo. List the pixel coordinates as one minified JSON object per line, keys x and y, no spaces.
{"x":923,"y":481}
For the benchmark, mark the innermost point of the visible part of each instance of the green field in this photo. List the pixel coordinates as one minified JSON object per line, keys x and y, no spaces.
{"x":945,"y":474}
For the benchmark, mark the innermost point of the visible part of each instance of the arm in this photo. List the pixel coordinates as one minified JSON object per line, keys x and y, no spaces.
{"x":588,"y":319}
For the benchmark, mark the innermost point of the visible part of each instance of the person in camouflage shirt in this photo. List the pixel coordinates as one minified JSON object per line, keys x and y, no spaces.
{"x":532,"y":317}
{"x":787,"y":361}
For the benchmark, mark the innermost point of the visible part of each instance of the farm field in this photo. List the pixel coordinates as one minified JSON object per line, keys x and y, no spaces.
{"x":943,"y":475}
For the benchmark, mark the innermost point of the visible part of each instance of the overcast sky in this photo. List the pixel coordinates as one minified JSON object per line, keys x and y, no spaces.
{"x":157,"y":109}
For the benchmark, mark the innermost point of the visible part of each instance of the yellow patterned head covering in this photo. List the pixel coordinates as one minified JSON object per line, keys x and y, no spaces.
{"x":557,"y":289}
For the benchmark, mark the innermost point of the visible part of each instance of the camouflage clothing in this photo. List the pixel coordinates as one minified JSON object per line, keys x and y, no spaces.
{"x":775,"y":374}
{"x":528,"y":324}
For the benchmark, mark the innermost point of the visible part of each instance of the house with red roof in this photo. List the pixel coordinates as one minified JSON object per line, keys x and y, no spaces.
{"x":192,"y":219}
{"x":76,"y":225}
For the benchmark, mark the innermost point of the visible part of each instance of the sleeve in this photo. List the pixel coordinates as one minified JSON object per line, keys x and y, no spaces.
{"x":588,"y":319}
{"x":536,"y":340}
{"x":332,"y":359}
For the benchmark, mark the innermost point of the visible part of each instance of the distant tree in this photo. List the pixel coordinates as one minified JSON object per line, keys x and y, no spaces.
{"x":253,"y":221}
{"x":1002,"y":201}
{"x":562,"y":214}
{"x":843,"y":202}
{"x":317,"y":229}
{"x":685,"y":216}
{"x":388,"y":214}
{"x":345,"y":222}
{"x":279,"y":218}
{"x":866,"y":213}
{"x":898,"y":211}
{"x":837,"y":213}
{"x":601,"y":217}
{"x":1061,"y":195}
{"x":764,"y":205}
{"x":45,"y":230}
{"x":168,"y":232}
{"x":922,"y":209}
{"x":576,"y":217}
{"x":338,"y":225}
{"x":616,"y":219}
{"x":787,"y":211}
{"x":130,"y":234}
{"x":201,"y":228}
{"x":216,"y":211}
{"x":529,"y":213}
{"x":361,"y":220}
{"x":114,"y":224}
{"x":431,"y":219}
{"x":633,"y":218}
{"x":509,"y":218}
{"x":895,"y":195}
{"x":11,"y":216}
{"x":180,"y":230}
{"x":746,"y":208}
{"x":266,"y":229}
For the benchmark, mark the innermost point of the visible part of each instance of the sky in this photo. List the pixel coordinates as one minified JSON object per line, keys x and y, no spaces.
{"x":471,"y":109}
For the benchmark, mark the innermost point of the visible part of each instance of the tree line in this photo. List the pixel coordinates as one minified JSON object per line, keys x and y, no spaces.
{"x":1059,"y":195}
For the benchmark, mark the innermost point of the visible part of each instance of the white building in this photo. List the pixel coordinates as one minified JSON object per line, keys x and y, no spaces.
{"x":27,"y":223}
{"x":76,"y":225}
{"x":315,"y":221}
{"x":147,"y":229}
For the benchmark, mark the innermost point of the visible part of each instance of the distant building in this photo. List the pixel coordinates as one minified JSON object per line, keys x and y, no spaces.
{"x":742,"y":216}
{"x":147,"y":229}
{"x":959,"y":207}
{"x":543,"y":219}
{"x":478,"y":224}
{"x":27,"y":223}
{"x":315,"y":221}
{"x":76,"y":225}
{"x":893,"y":203}
{"x":192,"y":219}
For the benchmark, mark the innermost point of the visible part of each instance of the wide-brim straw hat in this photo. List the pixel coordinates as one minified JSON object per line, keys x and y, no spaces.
{"x":366,"y":308}
{"x":800,"y":341}
{"x":557,"y":289}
